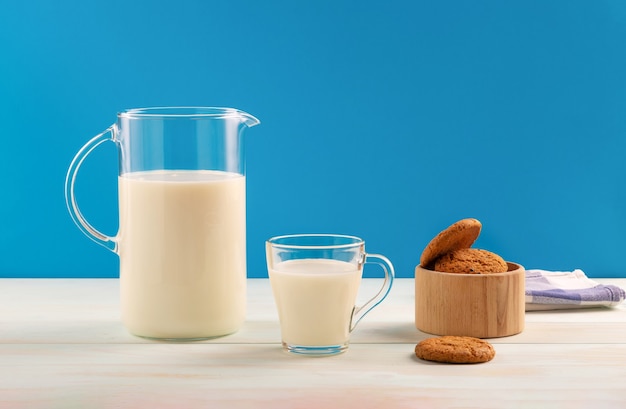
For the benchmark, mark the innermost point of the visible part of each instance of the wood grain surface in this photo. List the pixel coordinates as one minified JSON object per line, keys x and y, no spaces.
{"x":62,"y":345}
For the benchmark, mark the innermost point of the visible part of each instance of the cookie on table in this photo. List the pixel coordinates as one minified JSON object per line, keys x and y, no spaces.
{"x":455,"y":350}
{"x":471,"y":261}
{"x":459,"y":235}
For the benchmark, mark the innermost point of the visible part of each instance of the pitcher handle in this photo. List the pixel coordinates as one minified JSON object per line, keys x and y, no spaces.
{"x":70,"y":199}
{"x":359,"y":312}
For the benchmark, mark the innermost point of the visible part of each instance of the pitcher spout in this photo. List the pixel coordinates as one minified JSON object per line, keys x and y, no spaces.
{"x":247,"y":119}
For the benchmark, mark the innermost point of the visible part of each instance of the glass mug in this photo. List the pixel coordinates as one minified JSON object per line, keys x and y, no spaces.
{"x":315,"y":279}
{"x":182,"y":219}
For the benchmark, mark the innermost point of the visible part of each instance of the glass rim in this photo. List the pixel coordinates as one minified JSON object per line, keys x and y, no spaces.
{"x":188,"y":112}
{"x":276,"y":241}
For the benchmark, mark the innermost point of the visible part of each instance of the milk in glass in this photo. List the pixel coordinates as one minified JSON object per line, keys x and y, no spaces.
{"x":315,"y":299}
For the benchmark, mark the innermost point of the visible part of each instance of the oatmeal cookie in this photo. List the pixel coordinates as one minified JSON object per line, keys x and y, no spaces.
{"x":455,"y":349}
{"x":459,"y":235}
{"x":471,"y":261}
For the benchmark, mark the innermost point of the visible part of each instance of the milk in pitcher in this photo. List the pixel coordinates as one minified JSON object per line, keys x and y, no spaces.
{"x":182,"y":253}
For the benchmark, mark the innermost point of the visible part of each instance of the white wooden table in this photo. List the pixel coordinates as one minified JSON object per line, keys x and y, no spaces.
{"x":62,"y":345}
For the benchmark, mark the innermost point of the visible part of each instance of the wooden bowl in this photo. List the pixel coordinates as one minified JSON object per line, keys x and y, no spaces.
{"x":476,"y":305}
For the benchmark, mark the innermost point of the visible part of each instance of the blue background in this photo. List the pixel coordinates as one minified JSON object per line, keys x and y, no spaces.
{"x":386,"y":120}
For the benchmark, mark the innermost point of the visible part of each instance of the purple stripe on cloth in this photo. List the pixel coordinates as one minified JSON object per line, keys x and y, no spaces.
{"x":554,"y":288}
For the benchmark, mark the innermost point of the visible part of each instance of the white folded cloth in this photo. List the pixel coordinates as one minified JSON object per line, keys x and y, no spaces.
{"x":553,"y":290}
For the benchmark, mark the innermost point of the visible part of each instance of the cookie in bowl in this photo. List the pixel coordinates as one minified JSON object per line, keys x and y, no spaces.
{"x":460,"y":235}
{"x":471,"y":261}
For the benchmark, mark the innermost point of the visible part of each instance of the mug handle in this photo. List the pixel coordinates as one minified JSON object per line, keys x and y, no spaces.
{"x":70,"y":199}
{"x":359,"y":312}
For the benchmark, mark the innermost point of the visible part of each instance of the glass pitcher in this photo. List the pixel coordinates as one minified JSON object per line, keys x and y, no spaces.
{"x":182,"y":219}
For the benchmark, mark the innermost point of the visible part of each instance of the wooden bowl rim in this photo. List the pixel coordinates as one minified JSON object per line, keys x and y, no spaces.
{"x":514,"y":268}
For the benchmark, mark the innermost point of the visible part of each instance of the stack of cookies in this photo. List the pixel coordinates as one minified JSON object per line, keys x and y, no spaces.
{"x":450,"y":251}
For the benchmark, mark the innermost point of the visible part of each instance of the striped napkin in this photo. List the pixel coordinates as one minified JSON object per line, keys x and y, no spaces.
{"x":555,"y":290}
